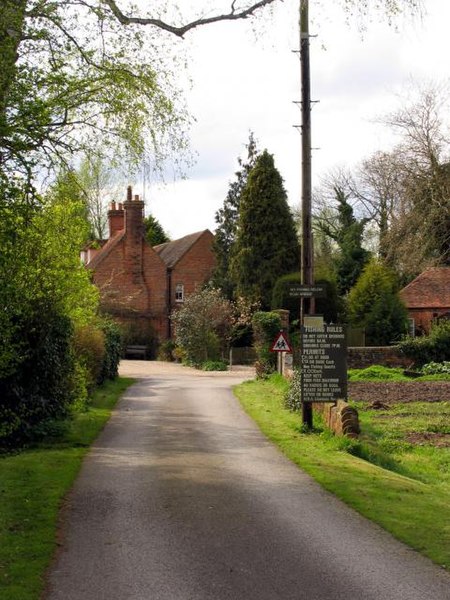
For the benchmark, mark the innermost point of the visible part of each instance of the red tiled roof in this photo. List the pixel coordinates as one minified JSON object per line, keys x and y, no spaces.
{"x":172,"y":252}
{"x":431,"y":289}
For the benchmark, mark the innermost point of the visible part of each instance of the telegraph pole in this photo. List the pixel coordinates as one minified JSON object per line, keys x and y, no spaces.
{"x":307,"y":246}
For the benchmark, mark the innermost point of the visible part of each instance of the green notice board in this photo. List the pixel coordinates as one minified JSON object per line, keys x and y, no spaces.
{"x":323,"y":363}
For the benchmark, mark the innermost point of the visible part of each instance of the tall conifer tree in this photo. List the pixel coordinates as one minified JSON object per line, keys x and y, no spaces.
{"x":266,"y":245}
{"x":227,"y":219}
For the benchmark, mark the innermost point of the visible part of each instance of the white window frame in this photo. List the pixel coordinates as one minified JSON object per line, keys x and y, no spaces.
{"x":179,"y":292}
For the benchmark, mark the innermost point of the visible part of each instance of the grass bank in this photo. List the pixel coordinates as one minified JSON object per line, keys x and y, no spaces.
{"x":399,"y":485}
{"x":32,"y":486}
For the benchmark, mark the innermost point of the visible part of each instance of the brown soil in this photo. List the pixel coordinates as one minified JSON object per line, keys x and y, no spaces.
{"x":392,"y":392}
{"x":439,"y":440}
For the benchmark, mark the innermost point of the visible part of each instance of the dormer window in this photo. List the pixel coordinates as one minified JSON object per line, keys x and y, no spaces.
{"x":179,"y":292}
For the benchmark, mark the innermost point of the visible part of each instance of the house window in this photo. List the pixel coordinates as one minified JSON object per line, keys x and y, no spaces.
{"x":179,"y":292}
{"x":411,"y":327}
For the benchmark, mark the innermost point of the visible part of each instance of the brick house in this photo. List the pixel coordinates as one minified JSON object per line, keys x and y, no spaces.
{"x":140,"y":285}
{"x":189,"y":263}
{"x":427,"y":298}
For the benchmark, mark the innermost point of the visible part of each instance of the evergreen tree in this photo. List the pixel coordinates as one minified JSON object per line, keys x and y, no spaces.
{"x":375,"y":305}
{"x":347,"y":231}
{"x":154,"y":232}
{"x":266,"y":244}
{"x":227,"y":219}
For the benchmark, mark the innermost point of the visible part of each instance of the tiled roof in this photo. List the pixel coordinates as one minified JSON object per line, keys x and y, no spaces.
{"x":431,"y":289}
{"x":172,"y":252}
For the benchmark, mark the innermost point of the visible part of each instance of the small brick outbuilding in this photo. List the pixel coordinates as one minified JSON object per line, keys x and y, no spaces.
{"x":427,"y":298}
{"x":140,"y":285}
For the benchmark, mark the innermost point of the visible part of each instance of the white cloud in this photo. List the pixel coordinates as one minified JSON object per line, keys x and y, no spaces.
{"x":242,"y":83}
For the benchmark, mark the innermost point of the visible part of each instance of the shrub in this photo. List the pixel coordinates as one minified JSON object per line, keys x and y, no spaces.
{"x":89,"y":347}
{"x":435,"y":368}
{"x":179,"y":354}
{"x":41,"y":388}
{"x":113,"y":350}
{"x":203,"y":325}
{"x":166,"y":350}
{"x":214,"y":365}
{"x":266,"y":325}
{"x":431,"y":348}
{"x":374,"y":305}
{"x":293,"y":397}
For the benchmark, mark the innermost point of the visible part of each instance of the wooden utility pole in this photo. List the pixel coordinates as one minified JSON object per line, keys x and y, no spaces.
{"x":307,"y":247}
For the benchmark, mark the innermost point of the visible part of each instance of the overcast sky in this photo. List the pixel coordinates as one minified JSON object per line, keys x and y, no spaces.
{"x":248,"y":80}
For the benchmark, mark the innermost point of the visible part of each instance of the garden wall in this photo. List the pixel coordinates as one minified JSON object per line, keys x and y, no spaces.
{"x":388,"y":356}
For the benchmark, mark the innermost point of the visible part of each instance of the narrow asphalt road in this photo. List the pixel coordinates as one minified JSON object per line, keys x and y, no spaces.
{"x":182,"y":498}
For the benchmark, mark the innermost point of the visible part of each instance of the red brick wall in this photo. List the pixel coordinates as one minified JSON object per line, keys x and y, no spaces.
{"x":127,"y":291}
{"x":423,"y":317}
{"x":195,"y":267}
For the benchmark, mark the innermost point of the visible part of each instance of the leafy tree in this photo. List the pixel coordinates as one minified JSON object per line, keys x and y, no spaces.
{"x":154,"y":232}
{"x":96,"y":178}
{"x":373,"y":303}
{"x":203,"y":326}
{"x":346,"y":231}
{"x":40,"y":267}
{"x":266,"y":245}
{"x":71,"y":71}
{"x":47,"y":294}
{"x":227,"y":222}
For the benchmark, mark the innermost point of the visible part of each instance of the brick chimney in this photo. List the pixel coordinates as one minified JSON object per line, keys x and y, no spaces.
{"x":134,"y":234}
{"x":116,"y":218}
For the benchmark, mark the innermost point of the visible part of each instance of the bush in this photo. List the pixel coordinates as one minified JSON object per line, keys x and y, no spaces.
{"x":374,"y":305}
{"x":266,"y":325}
{"x":179,"y":354}
{"x":89,"y":347}
{"x":113,"y":350}
{"x":435,"y":368}
{"x":203,"y":325}
{"x":166,"y":350}
{"x":293,"y":397}
{"x":431,"y":348}
{"x":42,"y":386}
{"x":214,"y":365}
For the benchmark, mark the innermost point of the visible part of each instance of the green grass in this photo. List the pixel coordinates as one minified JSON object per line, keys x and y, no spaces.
{"x":376,"y":373}
{"x":380,"y":373}
{"x":32,"y":486}
{"x":402,"y":487}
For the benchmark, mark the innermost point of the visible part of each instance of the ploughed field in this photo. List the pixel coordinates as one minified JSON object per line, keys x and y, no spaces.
{"x":393,"y":392}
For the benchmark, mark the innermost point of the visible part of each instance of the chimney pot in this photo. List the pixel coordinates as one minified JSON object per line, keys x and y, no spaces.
{"x":136,"y":197}
{"x":129,"y":193}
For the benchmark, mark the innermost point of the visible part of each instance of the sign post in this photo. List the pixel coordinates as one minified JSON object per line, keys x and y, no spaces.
{"x":280,"y":345}
{"x":323,"y":364}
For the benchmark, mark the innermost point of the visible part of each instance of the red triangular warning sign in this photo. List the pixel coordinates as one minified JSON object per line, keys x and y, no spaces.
{"x":280,"y":344}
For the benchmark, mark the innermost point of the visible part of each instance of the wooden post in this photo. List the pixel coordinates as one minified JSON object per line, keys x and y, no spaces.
{"x":307,"y":249}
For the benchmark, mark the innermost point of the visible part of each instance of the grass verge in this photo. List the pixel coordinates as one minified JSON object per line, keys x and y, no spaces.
{"x":32,"y":487}
{"x":410,"y":498}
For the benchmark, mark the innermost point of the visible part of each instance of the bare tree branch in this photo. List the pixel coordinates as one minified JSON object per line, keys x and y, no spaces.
{"x":180,"y":31}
